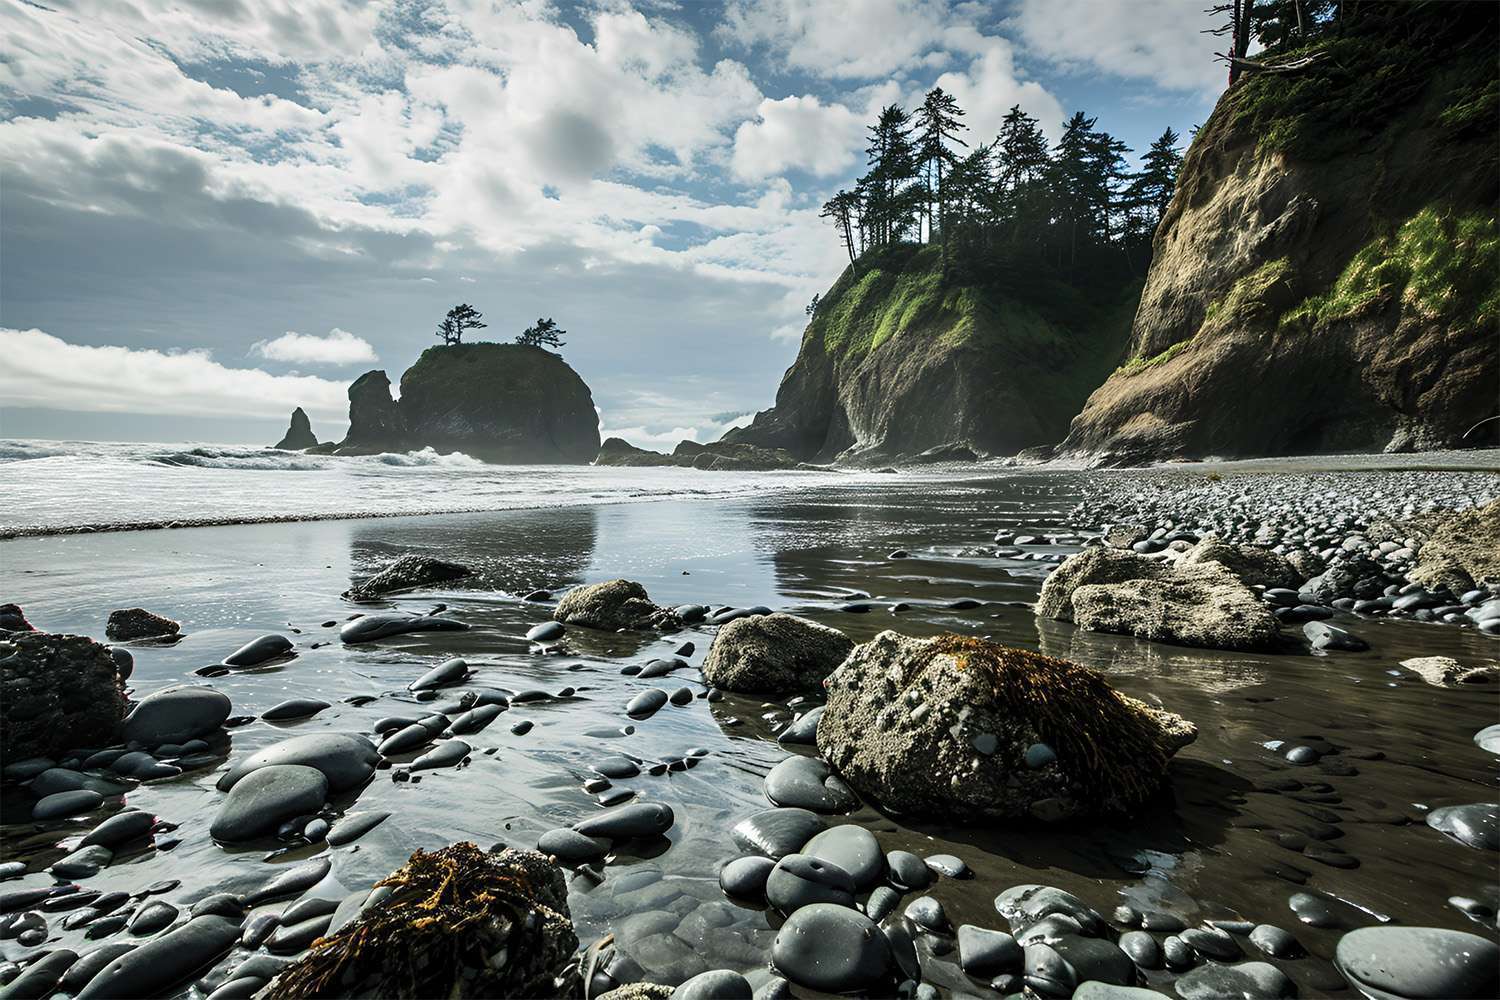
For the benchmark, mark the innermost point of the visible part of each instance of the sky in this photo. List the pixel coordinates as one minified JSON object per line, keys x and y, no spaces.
{"x":213,"y":211}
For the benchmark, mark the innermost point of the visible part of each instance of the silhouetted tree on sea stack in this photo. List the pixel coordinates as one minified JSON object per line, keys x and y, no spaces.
{"x":460,"y":318}
{"x":544,"y":334}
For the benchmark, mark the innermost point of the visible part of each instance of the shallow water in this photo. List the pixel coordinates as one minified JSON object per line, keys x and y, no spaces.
{"x":1205,"y":849}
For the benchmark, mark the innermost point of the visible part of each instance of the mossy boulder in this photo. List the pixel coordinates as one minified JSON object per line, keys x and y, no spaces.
{"x":773,"y":653}
{"x":956,"y":728}
{"x":613,"y":605}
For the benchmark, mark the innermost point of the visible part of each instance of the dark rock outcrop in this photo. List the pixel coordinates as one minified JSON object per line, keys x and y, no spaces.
{"x":376,"y":423}
{"x":407,"y":573}
{"x":1459,"y":551}
{"x":125,"y":624}
{"x":299,"y":433}
{"x":719,"y":456}
{"x":57,"y":692}
{"x":1324,"y":278}
{"x":898,"y":361}
{"x":458,"y":922}
{"x":613,"y":605}
{"x":961,"y":728}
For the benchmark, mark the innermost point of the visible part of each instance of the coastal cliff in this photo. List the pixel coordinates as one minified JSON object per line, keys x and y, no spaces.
{"x":504,"y":403}
{"x":897,"y":361}
{"x":1325,"y":278}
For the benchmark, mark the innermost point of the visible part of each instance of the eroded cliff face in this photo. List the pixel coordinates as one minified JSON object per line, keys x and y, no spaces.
{"x":896,"y":363}
{"x":502,"y":403}
{"x":1326,"y":276}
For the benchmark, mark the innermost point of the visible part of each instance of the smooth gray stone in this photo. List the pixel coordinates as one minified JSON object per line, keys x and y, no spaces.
{"x":1095,"y":958}
{"x":1488,"y":739}
{"x":259,"y":927}
{"x":40,"y":978}
{"x":1142,"y":949}
{"x":1474,"y":825}
{"x":908,"y":872}
{"x":1249,"y":980}
{"x":352,"y":826}
{"x":984,"y":953}
{"x":290,"y":938}
{"x":1322,"y":635}
{"x":927,"y":913}
{"x":882,"y":902}
{"x":372,"y":627}
{"x":802,"y":731}
{"x":81,"y":972}
{"x":745,"y":878}
{"x":660,"y":668}
{"x":451,"y":671}
{"x":1275,"y":942}
{"x":809,"y":783}
{"x":346,"y":760}
{"x":617,"y":767}
{"x":776,"y":833}
{"x":85,"y":862}
{"x":23,"y":770}
{"x":1212,"y":942}
{"x":152,"y":917}
{"x":1047,"y":973}
{"x":294,"y":708}
{"x":682,"y":696}
{"x":646,"y":704}
{"x":831,"y":948}
{"x":798,"y":880}
{"x":1095,"y":990}
{"x":949,"y":865}
{"x":403,"y":740}
{"x":445,"y":754}
{"x":901,"y":936}
{"x":1024,"y":905}
{"x":1419,"y":962}
{"x":570,"y":846}
{"x":260,"y":967}
{"x":243,"y":988}
{"x":223,"y":904}
{"x":160,"y":964}
{"x":639,"y":819}
{"x":124,"y":663}
{"x":62,"y":779}
{"x":852,"y":848}
{"x":176,"y":715}
{"x":475,"y":719}
{"x":545,"y":632}
{"x":266,"y":798}
{"x":62,"y":805}
{"x":258,"y":651}
{"x":716,"y":984}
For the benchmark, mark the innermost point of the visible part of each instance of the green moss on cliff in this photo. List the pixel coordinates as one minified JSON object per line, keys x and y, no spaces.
{"x":1138,"y":364}
{"x":1444,"y":264}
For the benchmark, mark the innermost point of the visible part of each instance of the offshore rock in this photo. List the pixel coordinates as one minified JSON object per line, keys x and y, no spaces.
{"x":57,"y":692}
{"x":138,"y":623}
{"x":299,"y":433}
{"x":376,"y":423}
{"x":407,"y":573}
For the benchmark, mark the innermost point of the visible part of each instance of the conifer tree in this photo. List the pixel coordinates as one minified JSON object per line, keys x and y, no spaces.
{"x":937,"y":126}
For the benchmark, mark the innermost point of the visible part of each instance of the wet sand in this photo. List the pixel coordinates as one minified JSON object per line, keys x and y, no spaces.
{"x":1206,"y":849}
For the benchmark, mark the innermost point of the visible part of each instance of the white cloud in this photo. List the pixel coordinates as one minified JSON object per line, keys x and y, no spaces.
{"x":1157,"y":41}
{"x":336,"y":347}
{"x":797,"y":133}
{"x":862,"y":40}
{"x":45,"y":371}
{"x":703,"y":431}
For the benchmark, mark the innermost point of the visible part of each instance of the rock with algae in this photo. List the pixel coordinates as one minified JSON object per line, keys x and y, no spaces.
{"x":458,"y":922}
{"x":960,"y":728}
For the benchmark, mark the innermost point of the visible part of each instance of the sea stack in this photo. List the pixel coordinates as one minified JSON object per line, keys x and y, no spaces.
{"x":299,"y":434}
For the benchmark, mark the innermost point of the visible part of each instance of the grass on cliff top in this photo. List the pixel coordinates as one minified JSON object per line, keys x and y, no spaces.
{"x":1444,"y":264}
{"x":1387,"y":56}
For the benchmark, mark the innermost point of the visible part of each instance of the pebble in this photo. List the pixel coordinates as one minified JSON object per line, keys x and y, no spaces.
{"x":908,"y":872}
{"x":290,"y":938}
{"x":927,"y":913}
{"x":40,"y":979}
{"x":258,"y":651}
{"x":798,"y":880}
{"x":646,"y":704}
{"x":345,"y":760}
{"x":290,"y":882}
{"x":640,"y":819}
{"x":949,"y":865}
{"x":175,"y":715}
{"x":267,"y":797}
{"x":984,"y":953}
{"x":545,"y":632}
{"x":62,"y":805}
{"x":1419,"y":962}
{"x":475,"y":719}
{"x":1475,"y":825}
{"x":831,"y":948}
{"x":1275,"y":942}
{"x":88,"y":965}
{"x":882,"y":902}
{"x":404,"y":740}
{"x":1177,"y":953}
{"x":1142,"y":949}
{"x":152,"y":917}
{"x":448,"y":672}
{"x":295,"y":708}
{"x":853,"y":849}
{"x":445,"y":754}
{"x":1024,"y":905}
{"x":1322,"y":635}
{"x":776,"y":833}
{"x":716,"y":984}
{"x":352,"y":826}
{"x":160,"y":964}
{"x":369,"y":628}
{"x":809,"y":783}
{"x":745,"y":877}
{"x":1212,"y":942}
{"x":1249,"y":980}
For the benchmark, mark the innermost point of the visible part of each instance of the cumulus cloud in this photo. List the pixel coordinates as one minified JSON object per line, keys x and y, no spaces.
{"x":47,"y":371}
{"x":1150,"y":40}
{"x":797,"y":133}
{"x":336,"y":347}
{"x":871,"y":38}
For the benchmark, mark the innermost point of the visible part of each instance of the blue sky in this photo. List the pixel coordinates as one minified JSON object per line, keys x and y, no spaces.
{"x":212,"y":212}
